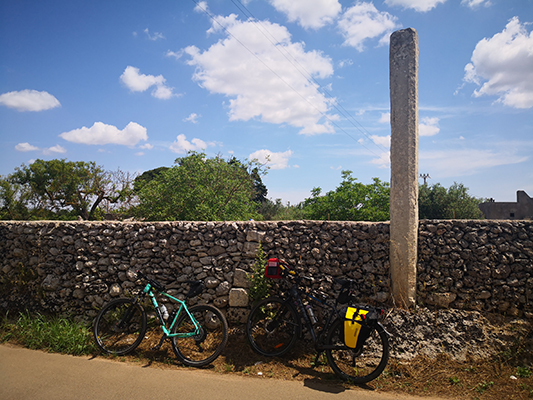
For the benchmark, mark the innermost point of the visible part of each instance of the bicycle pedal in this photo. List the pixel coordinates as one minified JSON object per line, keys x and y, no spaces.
{"x":158,"y":346}
{"x":317,"y":361}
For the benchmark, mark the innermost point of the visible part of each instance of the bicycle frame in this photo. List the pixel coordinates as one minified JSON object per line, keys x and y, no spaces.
{"x":295,"y":295}
{"x":149,"y":290}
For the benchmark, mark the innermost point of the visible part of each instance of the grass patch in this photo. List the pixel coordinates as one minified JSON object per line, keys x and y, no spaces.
{"x":53,"y":334}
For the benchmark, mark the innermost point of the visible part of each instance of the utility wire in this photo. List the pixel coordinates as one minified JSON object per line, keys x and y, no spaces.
{"x":306,"y":74}
{"x":296,"y":64}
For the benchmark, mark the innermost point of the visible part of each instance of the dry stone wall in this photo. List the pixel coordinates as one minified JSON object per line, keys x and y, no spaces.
{"x":477,"y":265}
{"x":76,"y":267}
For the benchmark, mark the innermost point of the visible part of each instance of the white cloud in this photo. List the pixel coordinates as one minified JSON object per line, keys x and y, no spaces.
{"x":505,"y":63}
{"x":383,"y":161}
{"x":182,"y":145}
{"x":344,"y":63}
{"x":385,"y":118}
{"x":25,"y":147}
{"x":29,"y":100}
{"x":476,"y":3}
{"x":162,"y":92}
{"x":260,"y":78}
{"x":383,"y":141}
{"x":312,"y":14}
{"x":417,"y":5}
{"x":55,"y":149}
{"x":271,"y":159}
{"x":192,"y":118}
{"x":153,"y":36}
{"x":100,"y":134}
{"x":201,"y":7}
{"x":462,"y":162}
{"x":428,"y":126}
{"x":362,"y":22}
{"x":137,"y":82}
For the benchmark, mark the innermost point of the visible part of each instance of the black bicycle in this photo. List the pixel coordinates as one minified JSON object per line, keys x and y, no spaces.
{"x":274,"y":324}
{"x":198,"y":334}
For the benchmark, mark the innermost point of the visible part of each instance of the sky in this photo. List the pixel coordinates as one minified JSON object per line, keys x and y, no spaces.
{"x":301,"y":86}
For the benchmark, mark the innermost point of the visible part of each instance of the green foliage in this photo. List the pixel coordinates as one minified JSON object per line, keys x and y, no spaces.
{"x":60,"y":189}
{"x":260,"y":190}
{"x":198,"y":188}
{"x":146,"y":177}
{"x":54,"y":334}
{"x":276,"y":211}
{"x":482,"y":387}
{"x":351,"y":201}
{"x":523,"y":372}
{"x":437,"y":202}
{"x":454,"y":380}
{"x":259,"y":284}
{"x":13,"y":200}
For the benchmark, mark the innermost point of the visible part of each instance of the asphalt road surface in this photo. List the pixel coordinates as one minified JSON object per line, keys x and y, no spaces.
{"x":31,"y":374}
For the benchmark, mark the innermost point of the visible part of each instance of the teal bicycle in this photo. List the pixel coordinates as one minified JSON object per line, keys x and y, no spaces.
{"x":198,"y":334}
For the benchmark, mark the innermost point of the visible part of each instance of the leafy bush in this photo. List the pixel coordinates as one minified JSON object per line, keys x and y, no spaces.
{"x":260,"y":285}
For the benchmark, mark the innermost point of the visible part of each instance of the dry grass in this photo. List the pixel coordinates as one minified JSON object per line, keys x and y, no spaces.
{"x":442,"y":377}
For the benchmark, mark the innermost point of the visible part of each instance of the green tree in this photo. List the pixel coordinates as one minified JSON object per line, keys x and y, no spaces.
{"x":351,"y":201}
{"x":260,"y":190}
{"x":63,"y":186}
{"x":437,"y":202}
{"x":146,"y":177}
{"x":277,"y":211}
{"x":198,"y":188}
{"x":13,"y":201}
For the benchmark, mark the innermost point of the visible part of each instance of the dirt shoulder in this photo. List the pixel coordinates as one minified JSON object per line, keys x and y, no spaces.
{"x":447,"y":353}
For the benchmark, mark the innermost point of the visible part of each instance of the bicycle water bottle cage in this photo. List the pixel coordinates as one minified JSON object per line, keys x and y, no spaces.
{"x":274,"y":269}
{"x":195,"y":289}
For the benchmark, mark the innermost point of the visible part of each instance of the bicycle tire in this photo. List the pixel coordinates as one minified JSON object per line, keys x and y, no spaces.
{"x":362,"y":366}
{"x":120,"y":326}
{"x":272,"y":327}
{"x":204,"y":348}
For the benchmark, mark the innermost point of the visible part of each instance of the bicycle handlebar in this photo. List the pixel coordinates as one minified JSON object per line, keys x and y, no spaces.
{"x":196,"y":287}
{"x":156,"y":285}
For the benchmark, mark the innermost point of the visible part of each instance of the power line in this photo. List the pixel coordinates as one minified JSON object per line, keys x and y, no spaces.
{"x":306,"y":74}
{"x":299,"y":68}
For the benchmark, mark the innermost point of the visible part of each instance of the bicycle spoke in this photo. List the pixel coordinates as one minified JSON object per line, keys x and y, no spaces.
{"x":272,"y":327}
{"x":358,"y":365}
{"x":120,"y":327}
{"x":205,"y":346}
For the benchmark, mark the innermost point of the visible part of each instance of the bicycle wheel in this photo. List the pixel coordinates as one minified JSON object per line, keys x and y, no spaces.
{"x":361,"y":366}
{"x":204,"y":348}
{"x":120,"y":326}
{"x":273,"y":327}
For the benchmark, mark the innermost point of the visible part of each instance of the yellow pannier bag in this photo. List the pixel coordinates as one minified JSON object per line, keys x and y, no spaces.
{"x":353,"y":322}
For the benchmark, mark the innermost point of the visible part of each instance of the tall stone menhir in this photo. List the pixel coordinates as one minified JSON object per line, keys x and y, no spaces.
{"x":404,"y":165}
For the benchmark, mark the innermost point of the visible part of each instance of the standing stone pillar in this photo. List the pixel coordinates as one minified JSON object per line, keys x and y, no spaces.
{"x":404,"y":165}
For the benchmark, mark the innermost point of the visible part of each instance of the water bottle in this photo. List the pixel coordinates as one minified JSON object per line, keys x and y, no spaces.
{"x":311,"y":313}
{"x":164,"y":311}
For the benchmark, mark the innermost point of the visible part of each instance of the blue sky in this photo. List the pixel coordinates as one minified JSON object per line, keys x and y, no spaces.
{"x":305,"y":83}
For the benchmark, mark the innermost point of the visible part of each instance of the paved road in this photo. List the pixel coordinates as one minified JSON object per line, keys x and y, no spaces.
{"x":29,"y":374}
